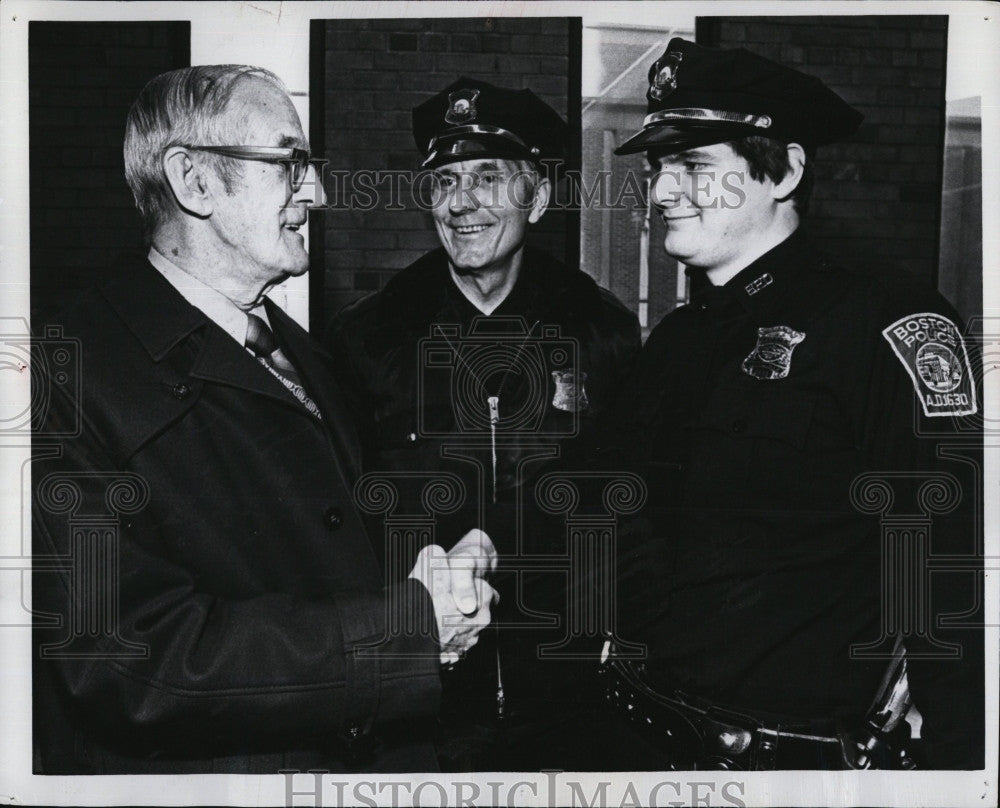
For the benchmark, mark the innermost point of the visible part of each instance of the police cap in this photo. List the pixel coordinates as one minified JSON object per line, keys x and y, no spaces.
{"x":699,"y":96}
{"x":472,"y":120}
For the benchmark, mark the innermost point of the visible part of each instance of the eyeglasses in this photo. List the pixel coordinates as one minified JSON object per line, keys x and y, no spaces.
{"x":295,"y":161}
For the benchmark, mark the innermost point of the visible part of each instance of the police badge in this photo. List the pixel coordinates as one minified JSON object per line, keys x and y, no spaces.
{"x":462,"y":107}
{"x":664,"y":79}
{"x":570,"y":394}
{"x":771,"y":358}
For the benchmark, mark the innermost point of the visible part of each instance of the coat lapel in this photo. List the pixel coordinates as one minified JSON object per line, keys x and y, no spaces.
{"x":160,"y":318}
{"x":315,"y":367}
{"x":223,"y":361}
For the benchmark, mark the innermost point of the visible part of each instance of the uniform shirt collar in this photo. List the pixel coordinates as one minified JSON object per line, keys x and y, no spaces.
{"x":518,"y":303}
{"x":761,"y":285}
{"x":211,"y":302}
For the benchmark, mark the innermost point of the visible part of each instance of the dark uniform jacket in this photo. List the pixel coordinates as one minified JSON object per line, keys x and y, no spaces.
{"x":423,"y":362}
{"x":245,"y":579}
{"x":754,"y":414}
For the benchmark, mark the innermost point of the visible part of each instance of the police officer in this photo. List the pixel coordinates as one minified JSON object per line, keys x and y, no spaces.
{"x":482,"y":359}
{"x":782,"y":418}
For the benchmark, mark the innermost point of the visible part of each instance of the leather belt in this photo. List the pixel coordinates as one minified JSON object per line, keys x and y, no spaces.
{"x":696,"y":735}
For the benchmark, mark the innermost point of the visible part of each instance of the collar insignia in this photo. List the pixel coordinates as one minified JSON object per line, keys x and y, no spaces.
{"x":664,"y":80}
{"x":772,"y":357}
{"x":755,"y":286}
{"x":461,"y":107}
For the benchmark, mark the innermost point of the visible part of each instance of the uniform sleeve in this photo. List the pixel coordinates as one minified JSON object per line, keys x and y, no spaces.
{"x":921,"y":424}
{"x":182,"y":671}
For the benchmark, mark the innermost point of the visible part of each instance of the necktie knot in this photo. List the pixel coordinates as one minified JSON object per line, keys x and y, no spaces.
{"x":260,"y":338}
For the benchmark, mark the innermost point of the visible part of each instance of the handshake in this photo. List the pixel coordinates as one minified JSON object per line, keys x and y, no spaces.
{"x":459,"y":591}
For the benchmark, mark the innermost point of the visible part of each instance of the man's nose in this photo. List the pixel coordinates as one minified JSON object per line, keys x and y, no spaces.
{"x":311,"y":192}
{"x":462,"y":195}
{"x":667,"y":189}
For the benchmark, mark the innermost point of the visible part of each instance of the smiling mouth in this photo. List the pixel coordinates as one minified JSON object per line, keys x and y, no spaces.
{"x":293,"y":227}
{"x":470,"y":229}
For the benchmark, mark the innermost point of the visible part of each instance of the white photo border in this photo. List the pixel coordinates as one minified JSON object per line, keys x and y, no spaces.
{"x":18,"y":786}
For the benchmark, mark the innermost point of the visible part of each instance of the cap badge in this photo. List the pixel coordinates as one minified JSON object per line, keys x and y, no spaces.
{"x":462,"y":106}
{"x":665,"y":79}
{"x":771,"y":358}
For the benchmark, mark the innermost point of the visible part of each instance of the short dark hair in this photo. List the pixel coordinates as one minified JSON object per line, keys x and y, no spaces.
{"x":769,"y":158}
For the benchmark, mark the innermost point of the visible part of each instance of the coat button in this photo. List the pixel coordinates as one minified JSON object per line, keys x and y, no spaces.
{"x":180,"y":391}
{"x":739,"y":426}
{"x":333,"y":518}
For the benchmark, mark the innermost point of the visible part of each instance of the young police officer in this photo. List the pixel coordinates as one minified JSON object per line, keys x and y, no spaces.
{"x":783,"y":419}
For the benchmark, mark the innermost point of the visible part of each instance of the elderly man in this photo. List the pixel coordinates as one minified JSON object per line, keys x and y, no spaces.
{"x":230,"y":614}
{"x":482,"y":359}
{"x":791,"y":404}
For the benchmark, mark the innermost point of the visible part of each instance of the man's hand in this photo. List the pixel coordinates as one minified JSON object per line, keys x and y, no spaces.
{"x":461,"y":596}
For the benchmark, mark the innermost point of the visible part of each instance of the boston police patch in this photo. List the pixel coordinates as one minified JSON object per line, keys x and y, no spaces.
{"x":933,"y":353}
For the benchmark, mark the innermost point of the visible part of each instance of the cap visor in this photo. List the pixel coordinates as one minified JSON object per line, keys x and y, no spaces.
{"x":483,"y":147}
{"x":672,"y":139}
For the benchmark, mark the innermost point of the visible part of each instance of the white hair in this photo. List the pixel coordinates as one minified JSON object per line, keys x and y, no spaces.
{"x":181,"y":108}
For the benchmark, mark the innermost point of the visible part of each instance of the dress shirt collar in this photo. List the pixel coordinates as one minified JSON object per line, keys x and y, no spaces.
{"x":211,"y":302}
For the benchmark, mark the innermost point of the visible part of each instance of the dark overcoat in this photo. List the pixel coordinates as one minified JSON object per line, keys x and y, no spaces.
{"x":213,"y":582}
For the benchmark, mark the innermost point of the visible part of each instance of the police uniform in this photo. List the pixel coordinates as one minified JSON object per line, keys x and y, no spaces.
{"x":771,"y":417}
{"x":424,"y":363}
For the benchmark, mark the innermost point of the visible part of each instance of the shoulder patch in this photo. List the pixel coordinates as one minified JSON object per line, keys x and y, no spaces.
{"x":932,"y":351}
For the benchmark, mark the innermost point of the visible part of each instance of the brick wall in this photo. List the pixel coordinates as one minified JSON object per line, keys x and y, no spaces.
{"x":611,"y":240}
{"x":83,"y":77}
{"x":878,"y":195}
{"x":375,"y":72}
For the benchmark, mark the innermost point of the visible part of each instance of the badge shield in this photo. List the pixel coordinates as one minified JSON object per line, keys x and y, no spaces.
{"x":771,"y":358}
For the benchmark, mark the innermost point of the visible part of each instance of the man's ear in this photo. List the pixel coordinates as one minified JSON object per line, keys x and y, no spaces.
{"x":188,"y":182}
{"x":791,"y":180}
{"x":540,"y":204}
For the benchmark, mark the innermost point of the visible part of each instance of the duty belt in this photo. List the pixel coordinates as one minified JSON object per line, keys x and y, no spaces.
{"x":697,"y":735}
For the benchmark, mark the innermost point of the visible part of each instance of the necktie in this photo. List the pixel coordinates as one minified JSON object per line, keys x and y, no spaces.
{"x":260,"y":340}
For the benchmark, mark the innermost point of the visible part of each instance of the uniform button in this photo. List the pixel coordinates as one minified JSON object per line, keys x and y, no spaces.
{"x":333,"y":518}
{"x":180,"y":391}
{"x":739,"y":426}
{"x":353,"y":731}
{"x":412,"y":437}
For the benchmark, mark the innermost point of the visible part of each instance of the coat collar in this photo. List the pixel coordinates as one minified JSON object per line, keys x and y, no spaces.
{"x":161,"y":320}
{"x":424,"y":292}
{"x":159,"y":327}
